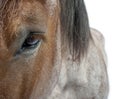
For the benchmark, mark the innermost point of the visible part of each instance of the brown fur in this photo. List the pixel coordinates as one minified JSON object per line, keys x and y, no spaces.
{"x":34,"y":76}
{"x":18,"y":77}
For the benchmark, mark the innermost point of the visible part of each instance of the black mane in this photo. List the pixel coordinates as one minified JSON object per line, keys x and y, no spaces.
{"x":75,"y":26}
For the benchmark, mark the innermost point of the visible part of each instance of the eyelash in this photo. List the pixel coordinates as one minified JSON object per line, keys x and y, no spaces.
{"x":30,"y":42}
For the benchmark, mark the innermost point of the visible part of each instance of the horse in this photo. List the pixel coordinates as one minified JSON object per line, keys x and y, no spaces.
{"x":49,"y":51}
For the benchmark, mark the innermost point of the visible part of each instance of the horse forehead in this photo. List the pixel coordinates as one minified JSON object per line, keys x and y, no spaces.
{"x":49,"y":4}
{"x":4,"y":13}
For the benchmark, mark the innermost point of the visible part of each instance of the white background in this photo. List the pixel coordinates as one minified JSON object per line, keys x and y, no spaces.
{"x":104,"y":15}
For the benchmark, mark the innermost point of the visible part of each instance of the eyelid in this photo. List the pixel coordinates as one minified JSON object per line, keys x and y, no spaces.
{"x":36,"y":32}
{"x":38,"y":35}
{"x":20,"y":50}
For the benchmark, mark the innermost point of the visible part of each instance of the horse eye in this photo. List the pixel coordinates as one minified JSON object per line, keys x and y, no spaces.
{"x":30,"y":42}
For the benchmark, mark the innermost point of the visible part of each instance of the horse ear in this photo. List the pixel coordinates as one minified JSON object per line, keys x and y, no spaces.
{"x":75,"y":26}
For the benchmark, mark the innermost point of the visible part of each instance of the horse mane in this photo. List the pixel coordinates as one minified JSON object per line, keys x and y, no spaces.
{"x":75,"y":26}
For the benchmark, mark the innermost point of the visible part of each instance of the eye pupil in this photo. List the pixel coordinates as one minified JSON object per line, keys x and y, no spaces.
{"x":30,"y":42}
